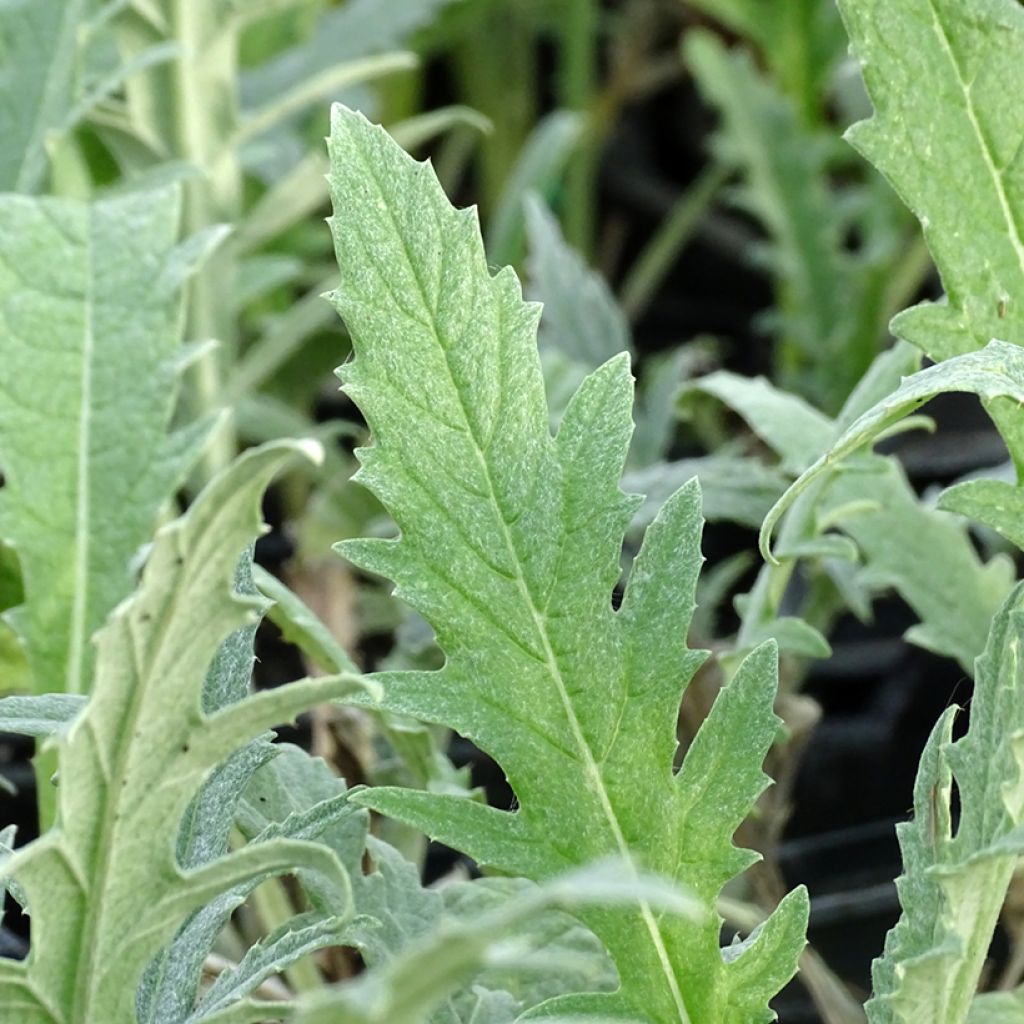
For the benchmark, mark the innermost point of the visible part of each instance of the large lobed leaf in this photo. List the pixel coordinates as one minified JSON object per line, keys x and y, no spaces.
{"x":510,"y":543}
{"x":106,"y":886}
{"x":91,"y":354}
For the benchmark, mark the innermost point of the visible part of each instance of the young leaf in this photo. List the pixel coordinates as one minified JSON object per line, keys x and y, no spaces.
{"x":954,"y":883}
{"x":91,"y":296}
{"x":105,"y":885}
{"x":510,"y":544}
{"x":939,"y":73}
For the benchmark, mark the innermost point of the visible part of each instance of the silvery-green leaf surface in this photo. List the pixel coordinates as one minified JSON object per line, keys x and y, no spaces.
{"x":955,"y":879}
{"x":37,"y":76}
{"x":417,"y":986}
{"x":510,"y":545}
{"x":105,"y":885}
{"x":993,"y":373}
{"x":91,"y":299}
{"x":946,"y":134}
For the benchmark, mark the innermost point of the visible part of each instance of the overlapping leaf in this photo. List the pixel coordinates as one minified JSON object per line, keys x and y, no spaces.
{"x":871,"y":501}
{"x":105,"y":886}
{"x":510,"y":543}
{"x":91,"y":297}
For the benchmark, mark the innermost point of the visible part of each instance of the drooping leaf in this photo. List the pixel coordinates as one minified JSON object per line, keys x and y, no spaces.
{"x":105,"y":885}
{"x":510,"y":543}
{"x":91,"y":296}
{"x":993,"y":373}
{"x":955,"y":880}
{"x":939,"y":73}
{"x":408,"y":988}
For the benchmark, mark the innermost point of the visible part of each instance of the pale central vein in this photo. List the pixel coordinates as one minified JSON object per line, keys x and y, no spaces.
{"x":1013,"y":229}
{"x":590,"y":766}
{"x":79,"y":599}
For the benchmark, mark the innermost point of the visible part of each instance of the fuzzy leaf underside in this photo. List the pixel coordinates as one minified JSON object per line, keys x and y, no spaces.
{"x":954,"y":881}
{"x":510,"y":543}
{"x":105,"y":885}
{"x":950,"y":139}
{"x":90,"y":297}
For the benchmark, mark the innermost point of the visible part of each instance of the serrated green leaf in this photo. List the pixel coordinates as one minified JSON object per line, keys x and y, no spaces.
{"x":105,"y":885}
{"x":421,"y":754}
{"x":939,"y":73}
{"x":510,"y":544}
{"x":91,"y":295}
{"x":954,"y":882}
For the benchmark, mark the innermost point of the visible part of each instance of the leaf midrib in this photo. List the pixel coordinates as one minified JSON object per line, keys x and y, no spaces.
{"x":1013,"y":228}
{"x":591,"y":768}
{"x":83,"y":498}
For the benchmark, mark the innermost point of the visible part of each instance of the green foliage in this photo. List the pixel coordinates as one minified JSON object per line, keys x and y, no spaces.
{"x":577,"y":703}
{"x":939,"y":73}
{"x":105,"y":886}
{"x":955,"y":880}
{"x":37,"y":68}
{"x":101,"y":283}
{"x":829,"y":320}
{"x":995,"y":372}
{"x":868,"y":499}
